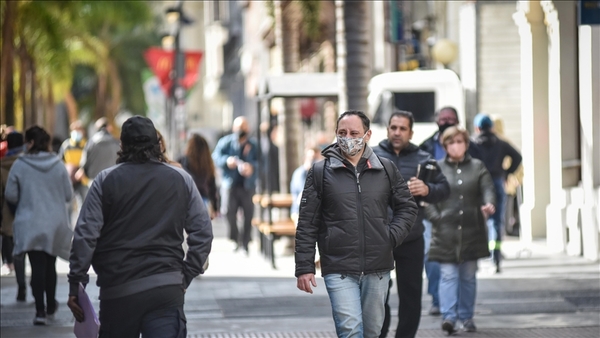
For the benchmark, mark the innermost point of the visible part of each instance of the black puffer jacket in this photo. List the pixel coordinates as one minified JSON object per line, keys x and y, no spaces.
{"x":350,"y":222}
{"x":407,"y":162}
{"x":459,"y":229}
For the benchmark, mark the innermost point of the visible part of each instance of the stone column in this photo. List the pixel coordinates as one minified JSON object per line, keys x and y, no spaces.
{"x":563,"y":111}
{"x":534,"y":119}
{"x":589,"y":118}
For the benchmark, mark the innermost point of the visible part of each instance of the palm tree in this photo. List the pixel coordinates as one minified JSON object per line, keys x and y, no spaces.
{"x":352,"y":54}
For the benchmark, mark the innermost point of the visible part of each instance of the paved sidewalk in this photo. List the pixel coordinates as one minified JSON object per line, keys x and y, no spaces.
{"x":540,"y":294}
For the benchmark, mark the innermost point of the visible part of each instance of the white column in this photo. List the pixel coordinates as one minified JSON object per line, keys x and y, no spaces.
{"x":589,"y":118}
{"x":534,"y":119}
{"x":468,"y":58}
{"x":563,"y":129}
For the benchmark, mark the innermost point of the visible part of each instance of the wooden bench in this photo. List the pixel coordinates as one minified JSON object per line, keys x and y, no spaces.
{"x":273,"y":229}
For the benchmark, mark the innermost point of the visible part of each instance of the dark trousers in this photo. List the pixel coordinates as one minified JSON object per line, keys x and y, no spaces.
{"x":43,"y":280}
{"x":155,"y":313}
{"x":239,"y":197}
{"x":409,"y":282}
{"x":7,"y":249}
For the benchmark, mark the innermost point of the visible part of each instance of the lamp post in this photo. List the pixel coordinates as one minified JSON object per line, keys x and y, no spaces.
{"x":176,"y":101}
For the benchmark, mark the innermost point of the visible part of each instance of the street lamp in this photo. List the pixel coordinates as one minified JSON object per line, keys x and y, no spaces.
{"x":175,"y":18}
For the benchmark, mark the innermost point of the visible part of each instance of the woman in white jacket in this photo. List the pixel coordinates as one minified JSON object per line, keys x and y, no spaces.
{"x":38,"y":190}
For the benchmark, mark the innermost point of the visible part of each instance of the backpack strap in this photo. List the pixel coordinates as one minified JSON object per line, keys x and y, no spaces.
{"x":388,"y":167}
{"x":318,"y":170}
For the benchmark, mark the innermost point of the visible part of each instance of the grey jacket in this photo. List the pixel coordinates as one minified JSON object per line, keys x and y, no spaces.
{"x":131,"y":230}
{"x":459,"y":229}
{"x":99,"y":153}
{"x":40,"y":187}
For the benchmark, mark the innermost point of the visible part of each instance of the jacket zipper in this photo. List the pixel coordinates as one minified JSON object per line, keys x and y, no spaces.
{"x":361,"y":230}
{"x":459,"y":229}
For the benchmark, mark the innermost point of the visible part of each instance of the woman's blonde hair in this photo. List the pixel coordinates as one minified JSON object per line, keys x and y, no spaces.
{"x":451,"y":132}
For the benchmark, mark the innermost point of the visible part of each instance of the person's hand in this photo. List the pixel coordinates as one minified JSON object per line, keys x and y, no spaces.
{"x":417,"y":187}
{"x":488,"y":209}
{"x":79,"y":174}
{"x":232,"y":162}
{"x":246,"y":169}
{"x":305,"y":281}
{"x":77,"y":311}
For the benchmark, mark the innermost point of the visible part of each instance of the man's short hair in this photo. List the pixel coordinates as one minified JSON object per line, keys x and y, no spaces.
{"x":365,"y":120}
{"x":437,"y":113}
{"x":405,"y":114}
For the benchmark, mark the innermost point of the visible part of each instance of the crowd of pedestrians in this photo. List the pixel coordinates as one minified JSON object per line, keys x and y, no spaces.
{"x":361,"y":212}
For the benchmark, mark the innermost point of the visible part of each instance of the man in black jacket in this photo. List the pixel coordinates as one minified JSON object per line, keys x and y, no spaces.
{"x":131,"y":229}
{"x":427,"y":184}
{"x":493,"y":151}
{"x":345,"y":211}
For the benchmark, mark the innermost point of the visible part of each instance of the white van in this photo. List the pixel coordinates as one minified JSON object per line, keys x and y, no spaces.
{"x":421,"y":92}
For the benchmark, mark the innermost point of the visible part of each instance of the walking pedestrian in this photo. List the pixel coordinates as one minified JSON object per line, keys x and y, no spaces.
{"x":344,"y":209}
{"x":445,"y":118}
{"x":13,"y":263}
{"x":237,"y":156}
{"x":39,"y":188}
{"x":131,"y":229}
{"x":459,"y":236}
{"x":198,"y":162}
{"x":427,"y":184}
{"x":100,"y":152}
{"x":493,"y":151}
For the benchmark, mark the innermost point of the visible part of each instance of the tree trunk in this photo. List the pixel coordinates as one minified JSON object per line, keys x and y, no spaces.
{"x":72,"y":109}
{"x":100,"y":110}
{"x":287,"y":38}
{"x":7,"y":109}
{"x":353,"y":56}
{"x":115,"y":91}
{"x":49,"y":102}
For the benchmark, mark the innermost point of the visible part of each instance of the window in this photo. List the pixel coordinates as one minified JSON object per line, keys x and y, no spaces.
{"x":421,"y":104}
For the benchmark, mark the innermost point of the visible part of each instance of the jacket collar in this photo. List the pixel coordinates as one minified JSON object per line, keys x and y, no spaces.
{"x":336,"y":159}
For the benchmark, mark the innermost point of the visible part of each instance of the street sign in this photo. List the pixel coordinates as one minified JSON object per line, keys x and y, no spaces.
{"x":589,"y":12}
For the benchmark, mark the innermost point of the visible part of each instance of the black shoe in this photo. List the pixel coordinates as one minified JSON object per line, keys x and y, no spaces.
{"x":448,"y":326}
{"x":434,"y":311}
{"x":51,"y":310}
{"x":39,"y":319}
{"x":22,"y":294}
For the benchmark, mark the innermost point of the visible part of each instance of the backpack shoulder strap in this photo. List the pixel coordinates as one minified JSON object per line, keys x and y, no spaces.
{"x":318,"y":169}
{"x":389,"y":169}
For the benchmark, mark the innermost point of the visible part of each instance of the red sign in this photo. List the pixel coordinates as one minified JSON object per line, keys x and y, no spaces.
{"x":162,"y":62}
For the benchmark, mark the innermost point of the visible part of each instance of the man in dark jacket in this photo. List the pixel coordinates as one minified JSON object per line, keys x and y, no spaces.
{"x":346,"y":213}
{"x":131,"y":230}
{"x":492,"y":152}
{"x":427,"y":184}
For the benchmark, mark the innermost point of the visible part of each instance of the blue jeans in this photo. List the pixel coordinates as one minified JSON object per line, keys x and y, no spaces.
{"x":432,"y":269}
{"x":496,"y":222}
{"x":357,"y":303}
{"x":458,"y":287}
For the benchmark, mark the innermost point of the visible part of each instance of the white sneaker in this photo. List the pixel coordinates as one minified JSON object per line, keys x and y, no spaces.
{"x":40,"y":319}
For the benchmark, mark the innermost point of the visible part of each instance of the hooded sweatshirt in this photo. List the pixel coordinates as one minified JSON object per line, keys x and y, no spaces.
{"x":40,"y":187}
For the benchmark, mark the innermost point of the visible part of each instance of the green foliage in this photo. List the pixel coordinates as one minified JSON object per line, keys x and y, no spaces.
{"x":310,"y":13}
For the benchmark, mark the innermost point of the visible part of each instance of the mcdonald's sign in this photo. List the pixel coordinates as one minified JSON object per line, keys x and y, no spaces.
{"x":161,"y":62}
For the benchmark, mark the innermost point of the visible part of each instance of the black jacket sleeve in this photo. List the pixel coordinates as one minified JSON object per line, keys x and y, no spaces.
{"x":404,"y":210}
{"x":309,"y":222}
{"x":439,"y":189}
{"x":514,"y":155}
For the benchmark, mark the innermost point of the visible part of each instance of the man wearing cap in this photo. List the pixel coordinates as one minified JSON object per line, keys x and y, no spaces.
{"x":131,"y":230}
{"x":492,"y":151}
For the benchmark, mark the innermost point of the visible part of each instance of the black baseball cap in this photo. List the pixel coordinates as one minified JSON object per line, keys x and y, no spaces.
{"x":138,"y":130}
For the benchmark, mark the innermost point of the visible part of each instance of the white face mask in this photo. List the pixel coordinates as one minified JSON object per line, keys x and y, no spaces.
{"x":351,"y":146}
{"x":76,"y":135}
